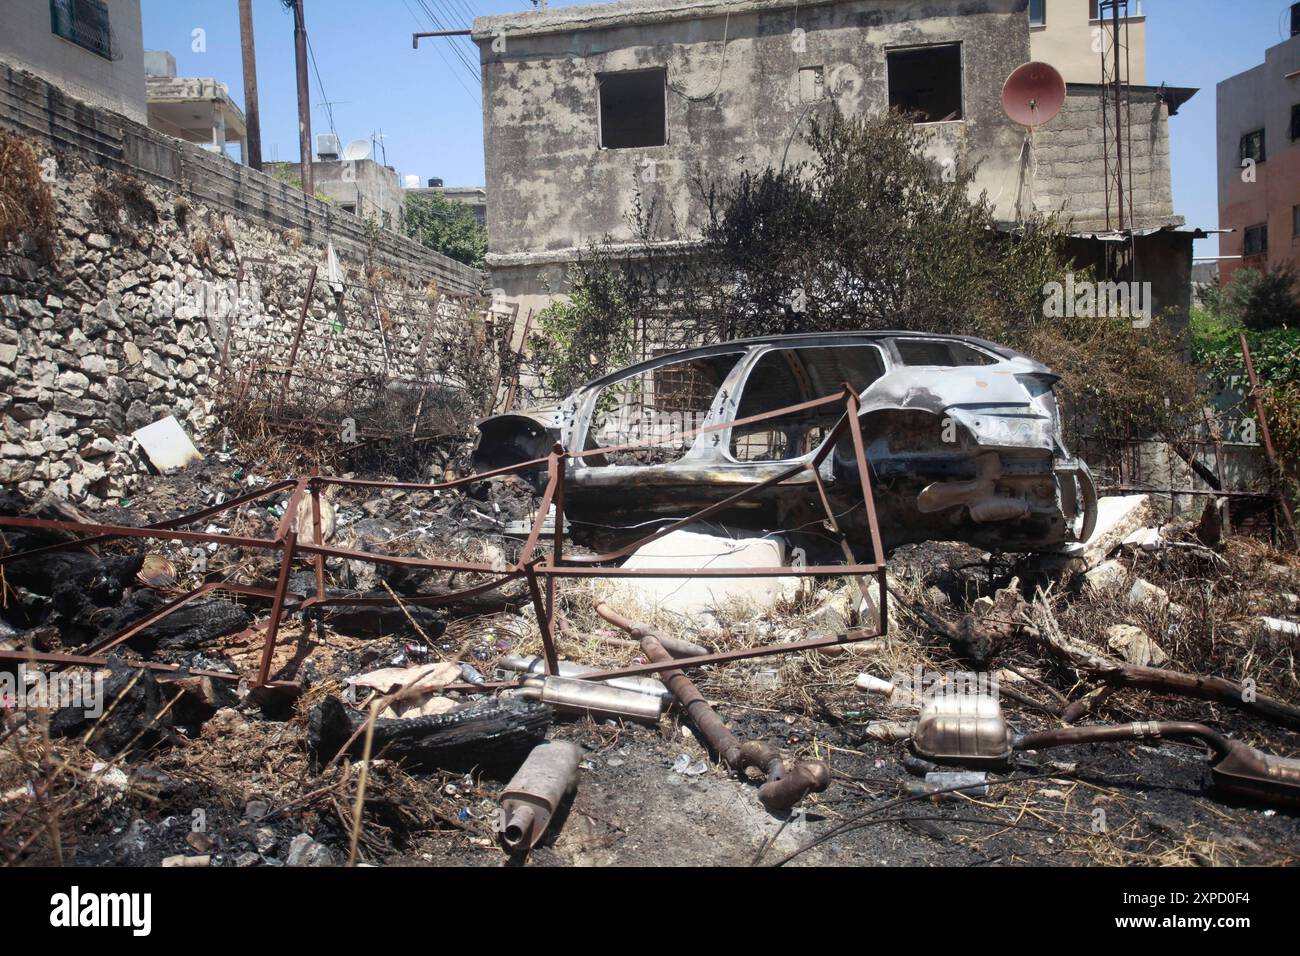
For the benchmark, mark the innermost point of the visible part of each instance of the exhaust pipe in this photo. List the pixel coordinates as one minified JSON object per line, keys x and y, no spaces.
{"x":784,"y":788}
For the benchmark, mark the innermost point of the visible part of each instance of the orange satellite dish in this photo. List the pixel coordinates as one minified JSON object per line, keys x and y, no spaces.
{"x":1033,"y":94}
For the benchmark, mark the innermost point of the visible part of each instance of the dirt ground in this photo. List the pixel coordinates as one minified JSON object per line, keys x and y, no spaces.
{"x":233,"y":781}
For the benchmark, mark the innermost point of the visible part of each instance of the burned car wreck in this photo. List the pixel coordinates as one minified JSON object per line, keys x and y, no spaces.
{"x":963,"y":440}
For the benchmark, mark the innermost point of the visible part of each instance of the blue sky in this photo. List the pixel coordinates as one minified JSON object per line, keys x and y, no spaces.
{"x":426,"y":101}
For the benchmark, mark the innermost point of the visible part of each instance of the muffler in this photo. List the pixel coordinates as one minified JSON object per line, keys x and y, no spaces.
{"x":970,"y":729}
{"x":534,"y":793}
{"x":576,"y":696}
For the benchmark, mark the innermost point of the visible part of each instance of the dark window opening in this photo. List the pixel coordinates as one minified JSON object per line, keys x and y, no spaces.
{"x":1256,"y":240}
{"x":938,"y":352}
{"x":927,"y":82}
{"x":1295,"y":19}
{"x":1295,"y":122}
{"x":1252,"y":146}
{"x":1295,"y":221}
{"x":1037,"y":13}
{"x":812,"y":84}
{"x":664,"y":406}
{"x":789,"y":377}
{"x":632,"y":109}
{"x":83,"y":22}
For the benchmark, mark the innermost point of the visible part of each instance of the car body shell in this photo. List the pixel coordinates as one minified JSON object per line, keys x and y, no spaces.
{"x":970,"y":451}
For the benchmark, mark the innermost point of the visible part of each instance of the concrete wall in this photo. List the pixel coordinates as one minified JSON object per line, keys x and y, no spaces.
{"x":27,"y":41}
{"x":1070,"y":41}
{"x":1260,"y":98}
{"x":363,"y":187}
{"x":1071,"y":171}
{"x":554,"y":189}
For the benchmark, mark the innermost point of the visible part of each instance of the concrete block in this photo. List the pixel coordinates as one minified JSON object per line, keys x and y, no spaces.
{"x":693,"y":595}
{"x":1117,"y":518}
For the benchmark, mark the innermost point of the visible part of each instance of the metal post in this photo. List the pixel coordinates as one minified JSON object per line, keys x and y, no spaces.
{"x":290,"y":543}
{"x":1275,"y":469}
{"x":544,"y":622}
{"x":253,"y":137}
{"x":297,"y":335}
{"x":304,"y":97}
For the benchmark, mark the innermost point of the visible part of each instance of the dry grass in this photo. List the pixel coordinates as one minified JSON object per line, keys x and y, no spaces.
{"x":26,"y":203}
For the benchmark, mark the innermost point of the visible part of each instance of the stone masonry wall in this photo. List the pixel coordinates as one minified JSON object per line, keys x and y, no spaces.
{"x":131,"y":319}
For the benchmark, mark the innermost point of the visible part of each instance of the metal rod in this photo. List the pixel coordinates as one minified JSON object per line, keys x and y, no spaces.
{"x":297,"y":335}
{"x":277,"y":610}
{"x":1275,"y":469}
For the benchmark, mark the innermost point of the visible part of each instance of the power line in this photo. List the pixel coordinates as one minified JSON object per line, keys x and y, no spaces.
{"x":329,"y":106}
{"x":438,"y":49}
{"x":456,"y":49}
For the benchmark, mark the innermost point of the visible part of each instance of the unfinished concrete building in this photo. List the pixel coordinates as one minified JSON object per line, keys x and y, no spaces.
{"x":586,"y":106}
{"x":193,"y":108}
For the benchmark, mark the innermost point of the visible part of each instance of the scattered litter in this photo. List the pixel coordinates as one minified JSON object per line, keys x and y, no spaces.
{"x":689,"y":768}
{"x":166,"y":445}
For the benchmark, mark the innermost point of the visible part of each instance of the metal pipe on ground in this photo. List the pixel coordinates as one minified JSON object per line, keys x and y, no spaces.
{"x":784,"y":788}
{"x":537,"y":665}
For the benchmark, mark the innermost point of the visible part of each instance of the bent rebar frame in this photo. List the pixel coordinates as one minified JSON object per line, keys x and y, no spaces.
{"x":534,"y":565}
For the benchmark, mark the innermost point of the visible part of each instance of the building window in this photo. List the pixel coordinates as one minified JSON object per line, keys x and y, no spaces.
{"x":1095,"y":13}
{"x":1256,"y":240}
{"x":633,"y":109}
{"x":927,"y":82}
{"x":85,"y":23}
{"x":1295,"y":222}
{"x":1252,"y":146}
{"x":812,"y":84}
{"x":1295,"y":122}
{"x":1037,"y":13}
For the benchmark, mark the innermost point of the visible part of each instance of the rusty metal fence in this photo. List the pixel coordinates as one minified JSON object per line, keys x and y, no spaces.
{"x":539,"y":567}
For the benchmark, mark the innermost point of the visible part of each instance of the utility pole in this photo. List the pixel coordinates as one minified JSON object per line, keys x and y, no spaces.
{"x":1119,"y":119}
{"x":254,"y":136}
{"x":304,"y":97}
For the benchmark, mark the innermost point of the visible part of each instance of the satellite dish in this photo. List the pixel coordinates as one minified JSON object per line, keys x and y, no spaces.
{"x":1033,"y":94}
{"x":357,"y":149}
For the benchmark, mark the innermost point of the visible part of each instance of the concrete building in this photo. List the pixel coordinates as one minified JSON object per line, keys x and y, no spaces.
{"x":196,"y":109}
{"x":585,"y":106}
{"x":1070,"y":35}
{"x":473,"y":196}
{"x":1259,"y":160}
{"x":93,"y":50}
{"x":360,"y":186}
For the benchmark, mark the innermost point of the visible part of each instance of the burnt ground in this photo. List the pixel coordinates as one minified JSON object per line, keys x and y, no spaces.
{"x":247,"y":778}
